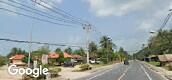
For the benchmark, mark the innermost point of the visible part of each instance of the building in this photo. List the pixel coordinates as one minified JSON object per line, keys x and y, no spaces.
{"x":67,"y":55}
{"x":17,"y":60}
{"x":53,"y":58}
{"x":165,"y":59}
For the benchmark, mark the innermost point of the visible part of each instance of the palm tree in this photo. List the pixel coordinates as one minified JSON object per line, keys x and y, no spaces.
{"x":107,"y":46}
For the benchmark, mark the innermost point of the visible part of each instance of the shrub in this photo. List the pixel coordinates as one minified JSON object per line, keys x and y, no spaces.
{"x":54,"y":72}
{"x":85,"y":67}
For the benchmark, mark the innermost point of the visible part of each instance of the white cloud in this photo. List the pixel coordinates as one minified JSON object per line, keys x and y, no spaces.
{"x":146,"y":26}
{"x":131,"y":45}
{"x":117,"y":7}
{"x":155,"y":18}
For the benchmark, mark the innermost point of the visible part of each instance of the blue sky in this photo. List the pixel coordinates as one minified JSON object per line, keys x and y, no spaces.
{"x":127,"y":22}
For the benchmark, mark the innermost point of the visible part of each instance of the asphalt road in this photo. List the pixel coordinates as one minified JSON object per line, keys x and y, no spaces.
{"x":135,"y":71}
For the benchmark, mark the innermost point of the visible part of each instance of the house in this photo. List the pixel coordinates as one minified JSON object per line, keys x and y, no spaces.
{"x":165,"y":59}
{"x":53,"y":55}
{"x":67,"y":55}
{"x":17,"y":60}
{"x":152,"y":58}
{"x":52,"y":58}
{"x":77,"y":58}
{"x":73,"y":57}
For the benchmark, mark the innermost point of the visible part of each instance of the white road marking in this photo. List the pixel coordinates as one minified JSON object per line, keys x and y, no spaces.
{"x":124,"y":73}
{"x":99,"y":74}
{"x":146,"y":72}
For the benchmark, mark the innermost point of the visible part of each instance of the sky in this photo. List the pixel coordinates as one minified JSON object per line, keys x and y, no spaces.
{"x":127,"y":22}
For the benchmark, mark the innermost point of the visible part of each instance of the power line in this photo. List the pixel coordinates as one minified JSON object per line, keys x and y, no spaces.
{"x":163,"y":25}
{"x":44,"y":20}
{"x":21,"y":41}
{"x":38,"y":12}
{"x":67,"y":14}
{"x":166,"y":20}
{"x":55,"y":11}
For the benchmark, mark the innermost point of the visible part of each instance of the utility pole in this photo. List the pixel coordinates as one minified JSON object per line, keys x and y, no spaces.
{"x":30,"y":44}
{"x":30,"y":48}
{"x":87,"y":27}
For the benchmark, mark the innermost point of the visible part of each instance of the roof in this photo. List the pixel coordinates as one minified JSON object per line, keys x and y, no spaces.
{"x":165,"y":57}
{"x":19,"y":63}
{"x":17,"y":57}
{"x":53,"y":55}
{"x":76,"y":56}
{"x":67,"y":55}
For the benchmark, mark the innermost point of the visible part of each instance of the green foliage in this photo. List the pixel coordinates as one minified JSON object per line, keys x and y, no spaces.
{"x":43,"y":50}
{"x":155,"y":63}
{"x":106,"y":50}
{"x":15,"y":51}
{"x":3,"y":60}
{"x":158,"y":45}
{"x":25,"y":59}
{"x":59,"y":51}
{"x":55,"y":69}
{"x":92,"y":50}
{"x":80,"y":52}
{"x":68,"y":50}
{"x":123,"y":54}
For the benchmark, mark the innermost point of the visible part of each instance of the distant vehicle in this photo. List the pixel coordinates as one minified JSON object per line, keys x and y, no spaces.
{"x":126,"y":62}
{"x":98,"y":62}
{"x":92,"y":61}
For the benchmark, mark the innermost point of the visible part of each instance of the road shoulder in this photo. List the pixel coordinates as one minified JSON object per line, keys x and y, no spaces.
{"x":164,"y":73}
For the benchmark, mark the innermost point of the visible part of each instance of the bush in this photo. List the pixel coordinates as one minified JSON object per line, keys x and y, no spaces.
{"x":2,"y":61}
{"x":85,"y":67}
{"x":54,"y":71}
{"x":155,"y":63}
{"x":168,"y":67}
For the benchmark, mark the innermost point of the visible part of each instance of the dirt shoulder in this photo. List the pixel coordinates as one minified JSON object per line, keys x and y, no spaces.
{"x":4,"y":75}
{"x":160,"y":70}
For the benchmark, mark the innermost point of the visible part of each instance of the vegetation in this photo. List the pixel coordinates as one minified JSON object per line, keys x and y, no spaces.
{"x":3,"y":60}
{"x":15,"y":51}
{"x":154,"y":63}
{"x":158,"y":45}
{"x":68,"y":50}
{"x":104,"y":52}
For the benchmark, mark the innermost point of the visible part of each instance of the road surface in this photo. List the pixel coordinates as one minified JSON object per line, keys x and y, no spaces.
{"x":135,"y":71}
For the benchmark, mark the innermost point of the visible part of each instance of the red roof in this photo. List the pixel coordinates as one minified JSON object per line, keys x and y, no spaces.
{"x":76,"y":56}
{"x":67,"y":55}
{"x":17,"y":57}
{"x":53,"y":55}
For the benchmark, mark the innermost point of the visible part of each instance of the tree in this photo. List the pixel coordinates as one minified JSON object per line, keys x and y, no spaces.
{"x":92,"y":50}
{"x":107,"y":47}
{"x":38,"y":53}
{"x":122,"y":54}
{"x":68,"y":50}
{"x":15,"y":51}
{"x":80,"y":52}
{"x":3,"y":60}
{"x":158,"y":45}
{"x":58,"y":50}
{"x":44,"y":49}
{"x":61,"y":58}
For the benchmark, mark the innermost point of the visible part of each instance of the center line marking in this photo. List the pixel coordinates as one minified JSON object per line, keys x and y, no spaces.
{"x":124,"y":73}
{"x":146,"y":72}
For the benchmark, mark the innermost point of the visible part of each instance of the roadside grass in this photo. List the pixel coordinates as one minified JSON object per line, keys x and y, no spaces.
{"x":154,"y":63}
